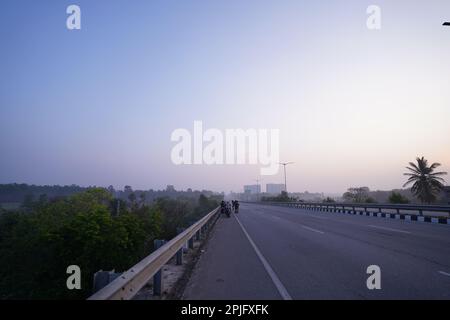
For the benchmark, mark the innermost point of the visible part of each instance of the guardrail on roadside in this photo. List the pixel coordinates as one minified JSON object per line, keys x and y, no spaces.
{"x":380,"y":209}
{"x":127,"y":285}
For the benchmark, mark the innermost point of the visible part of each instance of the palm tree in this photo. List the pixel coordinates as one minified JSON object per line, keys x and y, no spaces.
{"x":426,"y":183}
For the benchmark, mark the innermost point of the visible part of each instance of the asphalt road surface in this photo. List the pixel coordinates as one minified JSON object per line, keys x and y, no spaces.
{"x":268,"y":252}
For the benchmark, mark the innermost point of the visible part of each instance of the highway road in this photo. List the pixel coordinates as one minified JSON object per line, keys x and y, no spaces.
{"x":268,"y":252}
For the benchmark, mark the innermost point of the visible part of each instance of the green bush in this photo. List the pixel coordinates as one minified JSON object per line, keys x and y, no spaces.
{"x":397,"y":198}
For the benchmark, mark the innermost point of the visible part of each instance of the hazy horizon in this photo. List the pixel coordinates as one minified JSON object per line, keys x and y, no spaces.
{"x":97,"y":106}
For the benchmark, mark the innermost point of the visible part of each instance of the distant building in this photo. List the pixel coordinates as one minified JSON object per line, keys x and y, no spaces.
{"x":252,"y":189}
{"x":274,"y":188}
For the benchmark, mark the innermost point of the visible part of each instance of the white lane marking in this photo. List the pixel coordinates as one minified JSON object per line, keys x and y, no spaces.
{"x":313,"y":230}
{"x":389,"y":229}
{"x":303,"y":226}
{"x":444,"y":273}
{"x":318,"y":217}
{"x":276,"y":281}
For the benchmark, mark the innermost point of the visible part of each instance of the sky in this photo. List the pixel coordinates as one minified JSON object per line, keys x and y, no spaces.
{"x":97,"y":106}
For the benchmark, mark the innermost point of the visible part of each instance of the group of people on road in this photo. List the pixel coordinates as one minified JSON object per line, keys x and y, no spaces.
{"x":227,"y":207}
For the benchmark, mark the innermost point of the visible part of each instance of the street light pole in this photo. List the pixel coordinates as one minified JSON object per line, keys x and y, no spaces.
{"x":258,"y":188}
{"x":257,"y":183}
{"x":284,"y":164}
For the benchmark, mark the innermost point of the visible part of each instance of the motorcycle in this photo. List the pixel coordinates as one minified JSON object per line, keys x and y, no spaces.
{"x":225,"y":210}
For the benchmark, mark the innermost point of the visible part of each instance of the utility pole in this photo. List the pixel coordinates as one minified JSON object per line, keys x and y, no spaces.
{"x":284,"y":164}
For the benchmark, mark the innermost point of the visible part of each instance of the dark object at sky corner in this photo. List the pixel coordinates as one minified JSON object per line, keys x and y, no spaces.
{"x":446,"y":24}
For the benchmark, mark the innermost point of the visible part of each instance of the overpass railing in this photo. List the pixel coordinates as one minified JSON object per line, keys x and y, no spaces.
{"x":127,"y":285}
{"x":367,"y":207}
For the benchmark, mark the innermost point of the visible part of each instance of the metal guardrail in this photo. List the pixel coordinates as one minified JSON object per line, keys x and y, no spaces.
{"x":126,"y":286}
{"x":365,"y":206}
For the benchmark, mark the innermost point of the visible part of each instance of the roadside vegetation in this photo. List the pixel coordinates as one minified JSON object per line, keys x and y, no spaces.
{"x":397,"y":198}
{"x":426,"y":186}
{"x":283,"y":197}
{"x":90,"y":229}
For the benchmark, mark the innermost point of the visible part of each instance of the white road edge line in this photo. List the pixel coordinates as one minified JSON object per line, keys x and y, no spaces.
{"x":313,"y":230}
{"x":389,"y":229}
{"x":276,"y":281}
{"x":444,"y":273}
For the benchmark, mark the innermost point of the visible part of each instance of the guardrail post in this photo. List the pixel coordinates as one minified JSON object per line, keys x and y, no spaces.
{"x":202,"y":232}
{"x":157,"y":278}
{"x":103,"y":278}
{"x":191,"y":243}
{"x":179,"y":255}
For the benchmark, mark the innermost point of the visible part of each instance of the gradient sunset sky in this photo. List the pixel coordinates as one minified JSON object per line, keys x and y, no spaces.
{"x":97,"y":106}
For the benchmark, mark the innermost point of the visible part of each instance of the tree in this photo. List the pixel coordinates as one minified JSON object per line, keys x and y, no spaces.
{"x":282,"y":197}
{"x":111,"y":190}
{"x":28,"y":201}
{"x":142,"y":198}
{"x":426,"y":184}
{"x":132,"y":198}
{"x":370,"y":200}
{"x":357,"y":195}
{"x":397,"y":198}
{"x":328,"y":200}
